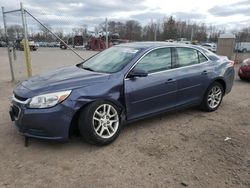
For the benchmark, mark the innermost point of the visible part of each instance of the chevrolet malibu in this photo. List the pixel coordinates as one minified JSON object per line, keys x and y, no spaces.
{"x":119,"y":85}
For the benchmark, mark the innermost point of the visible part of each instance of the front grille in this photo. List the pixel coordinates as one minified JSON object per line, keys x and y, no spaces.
{"x":20,"y":98}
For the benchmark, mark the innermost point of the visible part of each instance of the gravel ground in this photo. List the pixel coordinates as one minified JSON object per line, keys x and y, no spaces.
{"x":184,"y":148}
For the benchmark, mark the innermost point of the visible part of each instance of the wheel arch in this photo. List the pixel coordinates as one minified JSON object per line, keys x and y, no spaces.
{"x":222,"y":82}
{"x":73,"y":128}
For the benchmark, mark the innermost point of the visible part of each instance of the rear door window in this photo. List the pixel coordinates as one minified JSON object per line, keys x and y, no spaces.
{"x":187,"y":57}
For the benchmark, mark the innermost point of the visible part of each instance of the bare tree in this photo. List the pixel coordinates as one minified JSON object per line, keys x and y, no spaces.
{"x":169,"y":28}
{"x":149,"y":31}
{"x":133,"y":30}
{"x":244,"y":35}
{"x":78,"y":31}
{"x":59,"y":33}
{"x":15,"y":32}
{"x":45,"y":34}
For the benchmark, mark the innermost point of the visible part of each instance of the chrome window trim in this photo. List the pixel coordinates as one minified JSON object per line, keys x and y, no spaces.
{"x":178,"y":68}
{"x":125,"y":78}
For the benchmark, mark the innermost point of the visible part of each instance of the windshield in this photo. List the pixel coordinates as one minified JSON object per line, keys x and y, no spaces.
{"x":110,"y":60}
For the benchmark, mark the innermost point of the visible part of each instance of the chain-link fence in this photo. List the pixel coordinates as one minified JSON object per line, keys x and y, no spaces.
{"x":46,"y":44}
{"x":14,"y":31}
{"x":242,"y":46}
{"x":47,"y":40}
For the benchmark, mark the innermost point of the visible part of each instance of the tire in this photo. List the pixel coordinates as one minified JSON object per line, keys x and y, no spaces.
{"x":213,"y":97}
{"x":244,"y":50}
{"x":242,"y":78}
{"x":96,"y":124}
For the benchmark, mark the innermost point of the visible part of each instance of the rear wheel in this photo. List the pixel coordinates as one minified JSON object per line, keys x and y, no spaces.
{"x":99,"y":123}
{"x":242,"y":78}
{"x":213,"y":97}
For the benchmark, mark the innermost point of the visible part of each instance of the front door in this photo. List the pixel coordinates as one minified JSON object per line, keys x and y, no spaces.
{"x":155,"y":92}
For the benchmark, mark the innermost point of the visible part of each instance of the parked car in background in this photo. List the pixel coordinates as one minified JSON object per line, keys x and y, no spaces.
{"x":63,"y":46}
{"x":53,"y":44}
{"x":170,"y":40}
{"x":122,"y":84}
{"x":19,"y":44}
{"x":37,"y":44}
{"x":244,"y":70}
{"x":184,"y":42}
{"x":210,"y":46}
{"x":242,"y":47}
{"x":3,"y":44}
{"x":43,"y":44}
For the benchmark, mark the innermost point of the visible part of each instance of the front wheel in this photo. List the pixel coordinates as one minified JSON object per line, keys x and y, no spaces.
{"x":99,"y":123}
{"x":213,"y":97}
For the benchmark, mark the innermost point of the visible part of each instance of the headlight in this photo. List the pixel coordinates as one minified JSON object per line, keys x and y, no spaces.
{"x":48,"y":100}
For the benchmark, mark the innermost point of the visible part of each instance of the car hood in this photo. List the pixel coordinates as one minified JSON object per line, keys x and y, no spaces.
{"x":65,"y":78}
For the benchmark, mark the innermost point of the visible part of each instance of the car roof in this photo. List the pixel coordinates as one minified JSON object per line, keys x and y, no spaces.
{"x":149,"y":45}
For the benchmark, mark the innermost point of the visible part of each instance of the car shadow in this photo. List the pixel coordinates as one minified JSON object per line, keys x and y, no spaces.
{"x":77,"y":141}
{"x":165,"y":116}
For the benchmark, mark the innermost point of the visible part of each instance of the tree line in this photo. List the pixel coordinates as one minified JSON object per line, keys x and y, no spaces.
{"x":161,"y":30}
{"x":170,"y":28}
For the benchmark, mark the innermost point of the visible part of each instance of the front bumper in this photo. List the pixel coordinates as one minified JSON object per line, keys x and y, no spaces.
{"x":244,"y":72}
{"x":51,"y":123}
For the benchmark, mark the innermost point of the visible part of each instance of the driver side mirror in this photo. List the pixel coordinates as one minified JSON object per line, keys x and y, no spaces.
{"x":137,"y":73}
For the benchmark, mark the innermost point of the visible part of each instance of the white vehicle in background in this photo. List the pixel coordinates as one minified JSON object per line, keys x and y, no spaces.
{"x":210,"y":46}
{"x":170,"y":40}
{"x":185,"y":42}
{"x":242,"y":47}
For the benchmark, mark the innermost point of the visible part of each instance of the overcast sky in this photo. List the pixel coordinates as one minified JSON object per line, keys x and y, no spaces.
{"x":227,"y":14}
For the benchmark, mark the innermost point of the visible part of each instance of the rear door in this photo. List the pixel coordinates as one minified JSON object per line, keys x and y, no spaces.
{"x":192,"y":75}
{"x":155,"y":92}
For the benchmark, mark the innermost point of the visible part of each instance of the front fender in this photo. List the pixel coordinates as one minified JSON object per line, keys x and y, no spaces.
{"x":111,"y":91}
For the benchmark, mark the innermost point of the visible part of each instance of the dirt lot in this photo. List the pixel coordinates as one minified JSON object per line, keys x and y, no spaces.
{"x":185,"y":148}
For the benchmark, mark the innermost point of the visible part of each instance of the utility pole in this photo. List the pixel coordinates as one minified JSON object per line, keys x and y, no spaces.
{"x":155,"y":31}
{"x":192,"y":33}
{"x":8,"y":46}
{"x":106,"y":28}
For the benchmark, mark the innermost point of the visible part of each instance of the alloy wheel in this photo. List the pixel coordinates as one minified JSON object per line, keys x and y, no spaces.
{"x":214,"y":97}
{"x":105,"y":121}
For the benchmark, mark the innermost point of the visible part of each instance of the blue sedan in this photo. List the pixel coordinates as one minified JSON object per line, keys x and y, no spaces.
{"x":119,"y":85}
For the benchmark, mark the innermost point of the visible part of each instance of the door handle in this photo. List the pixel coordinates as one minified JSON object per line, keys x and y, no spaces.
{"x":170,"y":80}
{"x":205,"y":72}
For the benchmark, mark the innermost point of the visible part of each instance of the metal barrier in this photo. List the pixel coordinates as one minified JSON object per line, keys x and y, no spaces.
{"x":27,"y":55}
